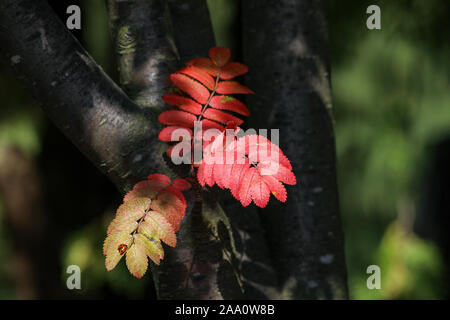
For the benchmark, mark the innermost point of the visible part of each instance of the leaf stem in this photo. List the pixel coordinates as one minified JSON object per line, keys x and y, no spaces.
{"x":203,"y":111}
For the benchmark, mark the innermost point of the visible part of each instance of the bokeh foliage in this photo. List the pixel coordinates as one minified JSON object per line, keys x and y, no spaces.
{"x":391,"y":104}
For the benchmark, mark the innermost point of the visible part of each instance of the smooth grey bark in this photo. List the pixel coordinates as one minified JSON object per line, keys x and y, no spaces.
{"x":285,"y":44}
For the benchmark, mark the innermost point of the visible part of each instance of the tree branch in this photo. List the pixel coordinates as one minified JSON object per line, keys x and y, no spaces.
{"x":293,"y":94}
{"x":146,"y":52}
{"x":86,"y":105}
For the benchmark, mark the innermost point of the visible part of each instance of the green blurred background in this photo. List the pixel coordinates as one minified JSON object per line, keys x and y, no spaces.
{"x":392,"y":122}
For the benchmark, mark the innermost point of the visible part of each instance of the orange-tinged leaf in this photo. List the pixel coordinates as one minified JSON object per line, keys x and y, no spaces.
{"x":169,"y":211}
{"x":136,"y":259}
{"x":229,"y":103}
{"x":120,"y":224}
{"x":232,"y":87}
{"x":200,"y":75}
{"x":136,"y":230}
{"x":232,"y":70}
{"x":174,"y":191}
{"x":220,"y":55}
{"x":143,"y":189}
{"x":194,"y":88}
{"x":135,"y":208}
{"x":178,"y":118}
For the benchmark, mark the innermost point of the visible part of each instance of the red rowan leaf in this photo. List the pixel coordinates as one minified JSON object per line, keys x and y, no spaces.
{"x":222,"y":170}
{"x":199,"y":74}
{"x":229,"y":103}
{"x":165,"y":180}
{"x":193,"y":108}
{"x":259,"y":168}
{"x":205,"y":174}
{"x":252,"y":187}
{"x":194,"y":88}
{"x":181,"y":184}
{"x":180,"y":132}
{"x":232,"y":87}
{"x":176,"y":100}
{"x":179,"y":148}
{"x":220,"y":55}
{"x":232,"y":70}
{"x":223,"y":117}
{"x":183,"y":103}
{"x":279,"y":172}
{"x":235,"y":180}
{"x":209,"y":124}
{"x":275,"y":187}
{"x":205,"y":64}
{"x":177,"y":118}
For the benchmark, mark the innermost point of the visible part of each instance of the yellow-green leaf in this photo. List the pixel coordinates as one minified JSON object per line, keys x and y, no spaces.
{"x":155,"y":224}
{"x":136,"y":259}
{"x":152,"y":247}
{"x":114,"y":237}
{"x":111,"y":248}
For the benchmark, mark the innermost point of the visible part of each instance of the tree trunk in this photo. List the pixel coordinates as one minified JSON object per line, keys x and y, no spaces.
{"x":290,"y":75}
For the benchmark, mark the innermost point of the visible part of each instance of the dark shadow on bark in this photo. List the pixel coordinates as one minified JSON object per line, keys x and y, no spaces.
{"x":290,"y":76}
{"x":433,"y":220}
